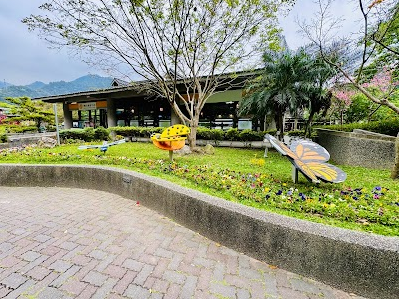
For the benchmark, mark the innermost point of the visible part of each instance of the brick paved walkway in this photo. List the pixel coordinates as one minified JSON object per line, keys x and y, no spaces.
{"x":72,"y":243}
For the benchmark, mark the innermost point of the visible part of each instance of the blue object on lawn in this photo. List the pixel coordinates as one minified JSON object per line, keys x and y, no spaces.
{"x":103,"y":147}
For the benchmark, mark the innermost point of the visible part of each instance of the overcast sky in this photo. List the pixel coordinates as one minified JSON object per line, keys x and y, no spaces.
{"x":24,"y":58}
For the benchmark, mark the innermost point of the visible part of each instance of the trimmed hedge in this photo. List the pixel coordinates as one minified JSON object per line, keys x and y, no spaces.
{"x":390,"y":128}
{"x":135,"y":131}
{"x":86,"y":134}
{"x":233,"y":134}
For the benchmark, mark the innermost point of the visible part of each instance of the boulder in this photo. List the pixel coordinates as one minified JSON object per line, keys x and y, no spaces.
{"x":185,"y":150}
{"x":47,"y":142}
{"x":209,"y":149}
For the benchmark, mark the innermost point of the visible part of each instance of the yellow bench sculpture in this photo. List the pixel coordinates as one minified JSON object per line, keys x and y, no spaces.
{"x":172,"y":138}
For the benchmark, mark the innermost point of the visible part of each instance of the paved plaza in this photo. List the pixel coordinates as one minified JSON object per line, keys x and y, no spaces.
{"x":74,"y":243}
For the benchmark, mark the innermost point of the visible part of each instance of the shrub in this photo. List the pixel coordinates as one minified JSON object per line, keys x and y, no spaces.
{"x":147,"y":132}
{"x":232,"y":134}
{"x":216,"y":134}
{"x":101,"y":133}
{"x":249,"y":135}
{"x":19,"y":128}
{"x":125,"y":131}
{"x":86,"y":134}
{"x":390,"y":127}
{"x":203,"y":133}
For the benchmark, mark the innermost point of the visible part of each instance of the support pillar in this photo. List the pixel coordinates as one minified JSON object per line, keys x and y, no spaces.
{"x":111,"y":113}
{"x":67,"y":116}
{"x":294,"y":174}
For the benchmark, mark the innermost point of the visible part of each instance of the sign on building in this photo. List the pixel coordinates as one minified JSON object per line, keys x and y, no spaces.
{"x":87,"y":106}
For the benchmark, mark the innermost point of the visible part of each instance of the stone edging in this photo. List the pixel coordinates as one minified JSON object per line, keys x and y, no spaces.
{"x":362,"y":263}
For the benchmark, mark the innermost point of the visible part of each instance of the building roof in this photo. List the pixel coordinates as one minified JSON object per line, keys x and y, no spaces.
{"x":132,"y":90}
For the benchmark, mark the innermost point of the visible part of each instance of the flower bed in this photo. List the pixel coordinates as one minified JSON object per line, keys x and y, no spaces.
{"x":370,"y":207}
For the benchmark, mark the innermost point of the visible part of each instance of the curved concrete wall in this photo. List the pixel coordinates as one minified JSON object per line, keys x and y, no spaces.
{"x":362,"y":263}
{"x":358,"y":149}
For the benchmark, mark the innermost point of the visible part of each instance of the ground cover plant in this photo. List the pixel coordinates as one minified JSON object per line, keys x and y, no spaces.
{"x":368,"y":200}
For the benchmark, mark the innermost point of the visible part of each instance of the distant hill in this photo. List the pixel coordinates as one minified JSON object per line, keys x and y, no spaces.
{"x":4,"y":84}
{"x":40,"y":89}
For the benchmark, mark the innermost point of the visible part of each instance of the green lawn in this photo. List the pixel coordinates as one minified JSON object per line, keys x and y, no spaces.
{"x":368,"y":200}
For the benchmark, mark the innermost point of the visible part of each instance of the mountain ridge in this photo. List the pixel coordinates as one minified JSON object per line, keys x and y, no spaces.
{"x":40,"y":89}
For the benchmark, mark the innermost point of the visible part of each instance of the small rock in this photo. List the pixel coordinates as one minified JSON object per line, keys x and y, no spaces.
{"x":185,"y":150}
{"x":47,"y":142}
{"x":209,"y":149}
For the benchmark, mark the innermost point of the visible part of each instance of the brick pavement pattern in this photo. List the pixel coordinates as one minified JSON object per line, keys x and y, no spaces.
{"x":75,"y":243}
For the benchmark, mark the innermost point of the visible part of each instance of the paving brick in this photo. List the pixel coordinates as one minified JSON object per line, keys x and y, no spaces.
{"x":64,"y":276}
{"x":244,"y":294}
{"x":105,"y":289}
{"x":115,"y":271}
{"x":38,"y":272}
{"x":99,"y":245}
{"x":123,"y":283}
{"x":80,"y":260}
{"x":143,"y":274}
{"x":135,"y":291}
{"x":41,"y":238}
{"x":74,"y":286}
{"x":9,"y":262}
{"x":160,"y":285}
{"x":60,"y":266}
{"x":50,"y":250}
{"x":290,"y":293}
{"x":304,"y":286}
{"x":133,"y":265}
{"x":173,"y":292}
{"x":86,"y":269}
{"x":4,"y":291}
{"x":4,"y":246}
{"x":87,"y":292}
{"x":189,"y":287}
{"x":174,"y":277}
{"x":21,"y":289}
{"x":95,"y":278}
{"x":30,"y":256}
{"x":97,"y":254}
{"x":14,"y":280}
{"x":223,"y":290}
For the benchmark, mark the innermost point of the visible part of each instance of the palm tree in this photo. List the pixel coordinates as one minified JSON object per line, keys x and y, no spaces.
{"x":279,"y":88}
{"x":290,"y":80}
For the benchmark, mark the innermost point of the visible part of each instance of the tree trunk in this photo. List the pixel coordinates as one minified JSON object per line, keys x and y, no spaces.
{"x":281,"y":124}
{"x":395,"y":170}
{"x":192,"y":137}
{"x":308,"y":126}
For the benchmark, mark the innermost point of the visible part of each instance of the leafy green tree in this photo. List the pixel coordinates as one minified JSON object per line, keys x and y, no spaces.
{"x":289,"y":81}
{"x":184,"y":49}
{"x":276,"y":90}
{"x":24,"y":109}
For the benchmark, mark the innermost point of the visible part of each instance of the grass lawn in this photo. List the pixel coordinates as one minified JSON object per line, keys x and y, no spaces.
{"x":368,"y":200}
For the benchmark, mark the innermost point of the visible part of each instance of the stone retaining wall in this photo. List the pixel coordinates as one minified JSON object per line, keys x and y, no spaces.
{"x":362,"y":263}
{"x":358,"y":148}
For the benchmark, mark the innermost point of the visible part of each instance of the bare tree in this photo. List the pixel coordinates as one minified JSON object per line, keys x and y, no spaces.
{"x":380,"y":17}
{"x":322,"y":32}
{"x":183,"y":49}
